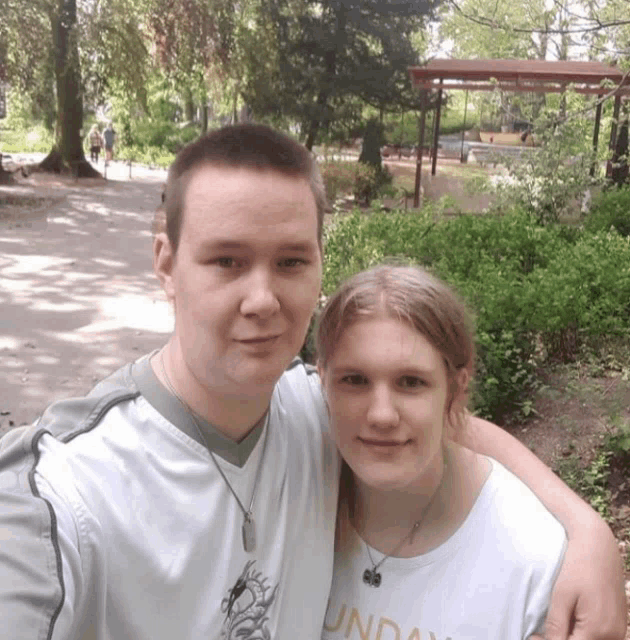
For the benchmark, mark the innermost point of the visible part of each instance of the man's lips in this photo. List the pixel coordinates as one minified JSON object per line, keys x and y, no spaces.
{"x":259,"y":339}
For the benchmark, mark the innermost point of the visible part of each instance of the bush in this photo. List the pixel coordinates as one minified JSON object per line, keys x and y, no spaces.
{"x":36,"y":139}
{"x":611,"y":209}
{"x":583,"y":292}
{"x":364,"y":182}
{"x":370,"y":181}
{"x":339,"y":178}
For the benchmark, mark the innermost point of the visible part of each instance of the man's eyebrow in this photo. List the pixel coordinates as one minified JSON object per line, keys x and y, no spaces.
{"x":227,"y":244}
{"x":299,"y":246}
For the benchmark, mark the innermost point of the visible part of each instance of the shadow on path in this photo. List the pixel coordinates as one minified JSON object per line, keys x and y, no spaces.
{"x":78,"y":297}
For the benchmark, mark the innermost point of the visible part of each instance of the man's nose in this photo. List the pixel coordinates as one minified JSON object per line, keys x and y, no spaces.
{"x":260,"y":297}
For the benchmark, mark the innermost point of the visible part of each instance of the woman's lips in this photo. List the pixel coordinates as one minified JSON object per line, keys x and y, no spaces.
{"x":372,"y":442}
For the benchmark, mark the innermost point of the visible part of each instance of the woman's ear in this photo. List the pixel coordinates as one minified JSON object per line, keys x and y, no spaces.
{"x":458,"y":403}
{"x":462,"y":378}
{"x":163,"y":263}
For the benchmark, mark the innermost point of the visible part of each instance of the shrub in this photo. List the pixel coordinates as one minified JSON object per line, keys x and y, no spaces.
{"x":339,"y":178}
{"x":369,"y":182}
{"x":611,"y":209}
{"x":363,"y":181}
{"x":35,"y":139}
{"x":584,"y":291}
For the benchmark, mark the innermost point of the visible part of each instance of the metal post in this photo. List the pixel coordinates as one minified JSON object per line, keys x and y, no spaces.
{"x":436,"y":129}
{"x":423,"y":117}
{"x":130,"y":169}
{"x":598,"y":117}
{"x":461,"y":153}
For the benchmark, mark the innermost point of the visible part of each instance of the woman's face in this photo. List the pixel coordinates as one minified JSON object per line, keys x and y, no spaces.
{"x":387,"y":390}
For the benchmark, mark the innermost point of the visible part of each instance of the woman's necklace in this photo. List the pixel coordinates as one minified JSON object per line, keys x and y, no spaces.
{"x":372,"y":577}
{"x":248,"y":528}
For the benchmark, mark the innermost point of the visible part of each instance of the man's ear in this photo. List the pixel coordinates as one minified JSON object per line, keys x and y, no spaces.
{"x":163,"y":263}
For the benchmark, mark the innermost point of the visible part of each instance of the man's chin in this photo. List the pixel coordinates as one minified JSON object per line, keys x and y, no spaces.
{"x":262,"y":373}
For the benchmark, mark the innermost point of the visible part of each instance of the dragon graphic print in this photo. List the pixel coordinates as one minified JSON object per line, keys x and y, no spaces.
{"x":247,"y":605}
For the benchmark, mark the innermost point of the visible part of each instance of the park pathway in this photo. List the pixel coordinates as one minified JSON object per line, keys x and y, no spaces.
{"x":78,"y":297}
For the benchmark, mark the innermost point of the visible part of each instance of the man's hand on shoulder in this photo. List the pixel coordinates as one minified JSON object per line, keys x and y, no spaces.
{"x":588,"y":601}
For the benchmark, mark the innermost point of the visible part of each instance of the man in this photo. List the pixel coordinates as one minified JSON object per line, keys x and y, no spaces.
{"x":109,"y":136}
{"x":193,"y":493}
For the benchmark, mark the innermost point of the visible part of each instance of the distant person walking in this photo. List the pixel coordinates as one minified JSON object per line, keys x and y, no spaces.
{"x":110,"y":136}
{"x":96,"y":142}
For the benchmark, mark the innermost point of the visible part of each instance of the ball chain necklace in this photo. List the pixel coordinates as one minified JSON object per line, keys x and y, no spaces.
{"x":248,"y":528}
{"x":372,"y":577}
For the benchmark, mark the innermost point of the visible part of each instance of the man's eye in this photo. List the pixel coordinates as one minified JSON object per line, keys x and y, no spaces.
{"x":225,"y":262}
{"x":289,"y":263}
{"x":354,"y":379}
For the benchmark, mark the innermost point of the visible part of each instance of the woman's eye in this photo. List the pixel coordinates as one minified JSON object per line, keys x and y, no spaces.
{"x":411,"y":382}
{"x":226,"y":262}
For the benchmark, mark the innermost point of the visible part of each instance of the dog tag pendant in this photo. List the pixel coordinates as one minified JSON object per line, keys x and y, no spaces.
{"x":249,"y":533}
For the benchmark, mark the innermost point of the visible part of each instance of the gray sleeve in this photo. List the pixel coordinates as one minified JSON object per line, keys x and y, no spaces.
{"x":33,"y":593}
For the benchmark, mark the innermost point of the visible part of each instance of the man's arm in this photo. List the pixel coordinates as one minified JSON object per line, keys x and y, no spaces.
{"x":588,"y":601}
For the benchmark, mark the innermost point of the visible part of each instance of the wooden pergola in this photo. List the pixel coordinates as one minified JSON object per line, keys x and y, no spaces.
{"x":536,"y":76}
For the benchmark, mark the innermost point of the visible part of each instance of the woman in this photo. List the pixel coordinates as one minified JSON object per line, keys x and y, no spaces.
{"x":96,"y":142}
{"x":434,"y":540}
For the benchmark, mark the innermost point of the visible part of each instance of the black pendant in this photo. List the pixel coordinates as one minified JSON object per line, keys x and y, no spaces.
{"x":372,"y":578}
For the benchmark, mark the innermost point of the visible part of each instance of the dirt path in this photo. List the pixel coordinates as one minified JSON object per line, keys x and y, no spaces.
{"x":77,"y":291}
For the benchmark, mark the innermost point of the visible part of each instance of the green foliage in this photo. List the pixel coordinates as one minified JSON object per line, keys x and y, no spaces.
{"x":339,"y":178}
{"x":325,"y":54}
{"x":536,"y":291}
{"x":362,"y":181}
{"x":611,"y":209}
{"x":149,"y":156}
{"x":591,"y":482}
{"x":36,"y":139}
{"x":583,"y":291}
{"x":618,"y":441}
{"x":370,"y":182}
{"x":549,"y":180}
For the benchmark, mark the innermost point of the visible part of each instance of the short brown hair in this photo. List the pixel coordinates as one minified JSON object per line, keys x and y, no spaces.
{"x":246,"y":145}
{"x":412,"y":295}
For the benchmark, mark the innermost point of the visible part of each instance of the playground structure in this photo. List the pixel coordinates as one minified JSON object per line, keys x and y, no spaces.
{"x":532,"y":76}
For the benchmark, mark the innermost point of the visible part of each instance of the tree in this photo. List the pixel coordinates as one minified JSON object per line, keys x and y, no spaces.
{"x":48,"y":42}
{"x":329,"y":51}
{"x":67,"y":153}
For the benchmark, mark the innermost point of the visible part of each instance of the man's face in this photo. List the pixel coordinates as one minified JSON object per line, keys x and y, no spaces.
{"x":245,"y":278}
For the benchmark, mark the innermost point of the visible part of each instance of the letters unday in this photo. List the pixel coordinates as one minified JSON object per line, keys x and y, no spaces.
{"x":385,"y":629}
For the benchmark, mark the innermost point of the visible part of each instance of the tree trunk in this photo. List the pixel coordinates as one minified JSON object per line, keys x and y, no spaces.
{"x":5,"y":176}
{"x":620,"y":157}
{"x":189,"y":106}
{"x":67,"y":154}
{"x":204,"y":119}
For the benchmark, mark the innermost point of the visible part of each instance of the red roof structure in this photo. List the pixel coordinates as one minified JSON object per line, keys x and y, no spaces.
{"x":536,"y":76}
{"x":548,"y":76}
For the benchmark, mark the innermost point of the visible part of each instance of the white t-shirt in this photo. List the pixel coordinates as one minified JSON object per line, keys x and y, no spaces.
{"x":116,"y":525}
{"x":491,"y":580}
